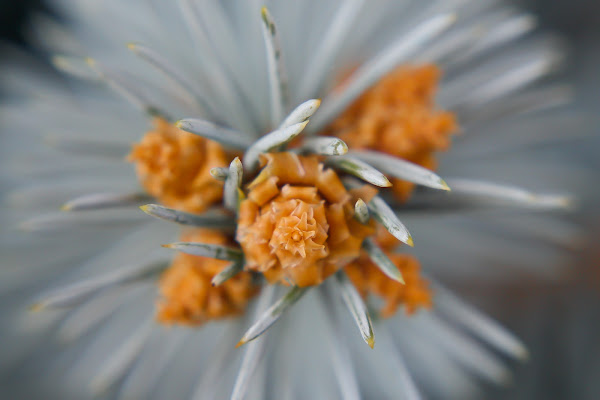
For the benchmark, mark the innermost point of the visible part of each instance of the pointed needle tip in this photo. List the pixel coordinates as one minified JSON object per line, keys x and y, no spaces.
{"x":371,"y":342}
{"x":240,"y":343}
{"x":24,"y":226}
{"x":237,"y":162}
{"x":168,"y":246}
{"x":264,"y":12}
{"x":49,"y":140}
{"x":344,"y":148}
{"x":567,"y":202}
{"x":523,"y":355}
{"x":37,"y":307}
{"x":66,"y":207}
{"x":398,"y":277}
{"x":445,"y":186}
{"x":410,"y":241}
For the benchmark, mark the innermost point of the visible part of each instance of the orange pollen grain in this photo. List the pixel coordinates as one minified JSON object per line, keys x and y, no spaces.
{"x":174,"y":166}
{"x":398,"y":116}
{"x":292,"y":227}
{"x":187,"y":296}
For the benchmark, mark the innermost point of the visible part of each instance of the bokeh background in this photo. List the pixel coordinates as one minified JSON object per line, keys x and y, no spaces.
{"x":559,"y":321}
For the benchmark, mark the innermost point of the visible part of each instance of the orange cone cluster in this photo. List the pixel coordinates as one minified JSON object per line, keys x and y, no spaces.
{"x":297,"y":225}
{"x":187,"y":296}
{"x":398,"y":116}
{"x":368,"y":279}
{"x":174,"y":166}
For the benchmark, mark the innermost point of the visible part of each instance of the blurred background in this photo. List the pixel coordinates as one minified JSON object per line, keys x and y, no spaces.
{"x":13,"y":15}
{"x":560,"y":321}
